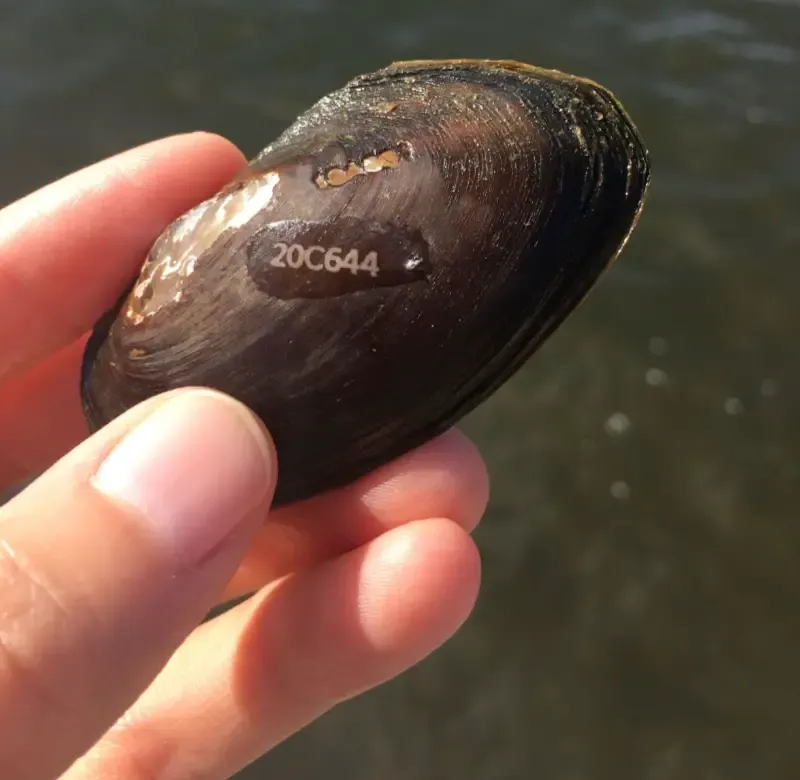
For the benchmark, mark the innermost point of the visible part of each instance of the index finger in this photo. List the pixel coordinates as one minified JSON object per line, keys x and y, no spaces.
{"x":68,"y":250}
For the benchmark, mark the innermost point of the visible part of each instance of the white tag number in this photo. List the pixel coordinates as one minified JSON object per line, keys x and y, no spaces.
{"x":317,"y":258}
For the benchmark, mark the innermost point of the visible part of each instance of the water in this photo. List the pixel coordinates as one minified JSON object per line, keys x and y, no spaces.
{"x":639,"y":616}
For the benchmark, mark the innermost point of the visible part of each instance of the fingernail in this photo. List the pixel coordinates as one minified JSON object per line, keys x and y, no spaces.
{"x":193,"y":469}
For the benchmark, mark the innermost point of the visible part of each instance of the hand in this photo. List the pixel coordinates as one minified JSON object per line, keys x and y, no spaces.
{"x":110,"y":560}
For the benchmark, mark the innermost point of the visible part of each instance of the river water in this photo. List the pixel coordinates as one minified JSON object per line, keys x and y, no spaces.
{"x":640,"y":616}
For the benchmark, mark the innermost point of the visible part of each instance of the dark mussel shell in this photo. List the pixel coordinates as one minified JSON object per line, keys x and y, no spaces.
{"x":383,"y":266}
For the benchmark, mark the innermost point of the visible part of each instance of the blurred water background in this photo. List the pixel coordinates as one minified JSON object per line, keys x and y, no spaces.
{"x":640,"y":615}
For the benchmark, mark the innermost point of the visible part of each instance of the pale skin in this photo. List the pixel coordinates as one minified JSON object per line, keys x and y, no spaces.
{"x":111,"y":558}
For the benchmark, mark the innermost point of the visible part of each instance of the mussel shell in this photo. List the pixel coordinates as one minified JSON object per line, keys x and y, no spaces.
{"x":383,"y":266}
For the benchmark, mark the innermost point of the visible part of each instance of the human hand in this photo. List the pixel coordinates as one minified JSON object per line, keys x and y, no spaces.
{"x":112,"y":557}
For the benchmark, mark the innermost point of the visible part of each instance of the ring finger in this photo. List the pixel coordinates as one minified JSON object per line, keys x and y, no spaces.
{"x":250,"y":678}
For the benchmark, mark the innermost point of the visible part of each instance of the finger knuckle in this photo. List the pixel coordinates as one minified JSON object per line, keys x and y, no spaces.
{"x":127,"y":753}
{"x":30,"y":620}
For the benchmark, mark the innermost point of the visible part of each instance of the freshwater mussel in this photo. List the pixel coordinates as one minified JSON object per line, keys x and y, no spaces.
{"x":383,"y":266}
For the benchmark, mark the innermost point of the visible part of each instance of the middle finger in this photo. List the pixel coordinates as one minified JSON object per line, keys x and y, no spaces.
{"x":444,"y":478}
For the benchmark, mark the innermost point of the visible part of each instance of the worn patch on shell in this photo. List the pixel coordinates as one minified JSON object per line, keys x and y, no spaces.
{"x":175,"y":254}
{"x":300,"y":259}
{"x":336,"y":177}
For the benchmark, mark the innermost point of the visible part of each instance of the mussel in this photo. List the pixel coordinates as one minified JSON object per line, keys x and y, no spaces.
{"x":383,"y":266}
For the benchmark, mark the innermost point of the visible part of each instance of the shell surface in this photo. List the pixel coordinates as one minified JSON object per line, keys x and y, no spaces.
{"x":383,"y":266}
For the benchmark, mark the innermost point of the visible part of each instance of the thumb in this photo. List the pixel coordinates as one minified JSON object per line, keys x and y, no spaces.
{"x":110,"y":559}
